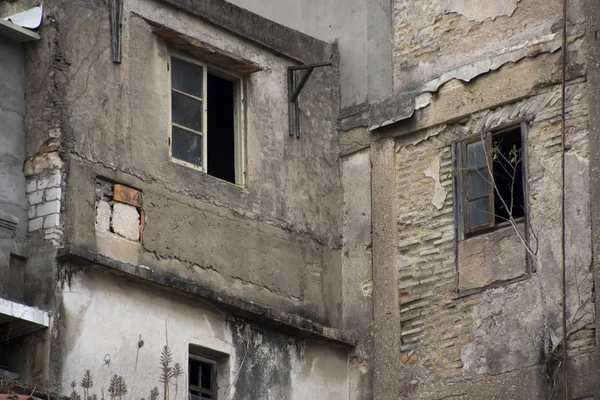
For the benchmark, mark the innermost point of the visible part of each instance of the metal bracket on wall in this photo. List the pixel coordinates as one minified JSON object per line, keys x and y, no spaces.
{"x":116,"y":29}
{"x":296,"y":81}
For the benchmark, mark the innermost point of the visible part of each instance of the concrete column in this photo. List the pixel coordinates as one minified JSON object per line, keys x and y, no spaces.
{"x":386,"y":313}
{"x":357,"y":269}
{"x":379,"y":49}
{"x":592,"y":50}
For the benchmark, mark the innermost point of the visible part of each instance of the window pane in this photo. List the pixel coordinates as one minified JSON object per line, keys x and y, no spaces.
{"x":194,"y":373}
{"x":187,"y":77}
{"x":186,"y":146}
{"x":186,"y":111}
{"x":206,"y":376}
{"x":479,"y":213}
{"x":476,"y":154}
{"x":477,"y":183}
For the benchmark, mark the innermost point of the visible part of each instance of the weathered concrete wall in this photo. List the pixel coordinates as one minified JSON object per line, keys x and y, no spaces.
{"x":13,"y":200}
{"x":260,"y":364}
{"x":362,"y":30}
{"x":278,"y":238}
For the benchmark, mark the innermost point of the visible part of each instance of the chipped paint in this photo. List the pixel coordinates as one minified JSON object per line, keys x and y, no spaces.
{"x":439,"y":193}
{"x":480,"y":10}
{"x":424,"y":96}
{"x":367,"y":288}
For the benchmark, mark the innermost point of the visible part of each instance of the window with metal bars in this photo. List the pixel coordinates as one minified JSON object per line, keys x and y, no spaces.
{"x":202,"y":376}
{"x":490,"y":180}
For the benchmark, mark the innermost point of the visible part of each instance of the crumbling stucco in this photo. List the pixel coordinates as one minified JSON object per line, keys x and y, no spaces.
{"x":439,"y":193}
{"x":480,"y":10}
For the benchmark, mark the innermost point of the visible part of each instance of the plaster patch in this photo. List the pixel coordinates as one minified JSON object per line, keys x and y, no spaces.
{"x":439,"y":193}
{"x":367,"y":288}
{"x":480,"y":10}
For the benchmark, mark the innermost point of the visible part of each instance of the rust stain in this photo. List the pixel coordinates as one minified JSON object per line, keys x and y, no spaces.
{"x":143,"y":225}
{"x":127,"y":195}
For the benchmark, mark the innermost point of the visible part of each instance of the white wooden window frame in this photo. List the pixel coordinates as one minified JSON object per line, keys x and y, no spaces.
{"x":239,"y":142}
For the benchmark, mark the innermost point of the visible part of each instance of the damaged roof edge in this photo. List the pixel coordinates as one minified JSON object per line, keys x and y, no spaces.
{"x":291,"y":324}
{"x":278,"y":38}
{"x":403,"y":105}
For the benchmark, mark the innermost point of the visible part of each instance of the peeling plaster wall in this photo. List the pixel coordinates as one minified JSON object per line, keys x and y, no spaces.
{"x":450,"y":338}
{"x":262,"y":364}
{"x":434,"y":38}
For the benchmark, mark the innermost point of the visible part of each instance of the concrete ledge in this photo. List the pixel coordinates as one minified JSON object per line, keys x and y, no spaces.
{"x":15,"y":32}
{"x":17,"y":319}
{"x":278,"y":38}
{"x":291,"y":324}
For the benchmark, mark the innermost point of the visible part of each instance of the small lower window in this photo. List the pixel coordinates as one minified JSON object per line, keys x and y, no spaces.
{"x":202,"y":374}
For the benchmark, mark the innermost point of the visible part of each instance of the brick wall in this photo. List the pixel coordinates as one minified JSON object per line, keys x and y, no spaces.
{"x":44,"y":192}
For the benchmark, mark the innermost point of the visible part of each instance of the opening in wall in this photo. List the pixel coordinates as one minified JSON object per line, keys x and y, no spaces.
{"x":208,"y":373}
{"x":206,"y":128}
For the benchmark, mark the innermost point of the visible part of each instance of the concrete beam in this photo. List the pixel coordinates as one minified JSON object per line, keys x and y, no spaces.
{"x":386,"y":312}
{"x":18,"y":319}
{"x":15,"y":32}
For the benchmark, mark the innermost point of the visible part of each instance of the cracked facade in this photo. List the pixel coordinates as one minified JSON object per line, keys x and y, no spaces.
{"x":338,"y":267}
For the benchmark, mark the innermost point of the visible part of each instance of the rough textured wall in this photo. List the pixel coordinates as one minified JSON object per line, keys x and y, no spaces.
{"x":450,"y":337}
{"x":357,"y":271}
{"x":260,"y":364}
{"x":432,"y":39}
{"x":361,"y":29}
{"x":12,"y":136}
{"x":13,"y":201}
{"x":279,"y":235}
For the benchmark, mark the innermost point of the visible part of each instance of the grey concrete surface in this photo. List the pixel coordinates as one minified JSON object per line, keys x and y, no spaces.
{"x":362,"y":30}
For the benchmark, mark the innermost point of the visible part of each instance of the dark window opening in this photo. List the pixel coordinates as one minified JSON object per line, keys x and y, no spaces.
{"x":508,"y":175}
{"x":220,"y":128}
{"x":491,"y":172}
{"x":202,"y":378}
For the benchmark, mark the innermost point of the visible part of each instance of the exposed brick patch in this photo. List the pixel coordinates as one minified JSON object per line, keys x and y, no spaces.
{"x":44,"y":192}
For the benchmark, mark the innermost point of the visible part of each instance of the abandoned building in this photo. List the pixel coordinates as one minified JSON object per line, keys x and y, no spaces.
{"x":310,"y":199}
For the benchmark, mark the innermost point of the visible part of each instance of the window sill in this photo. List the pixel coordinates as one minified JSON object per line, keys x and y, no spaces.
{"x":184,"y":168}
{"x":491,"y":258}
{"x":518,"y":221}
